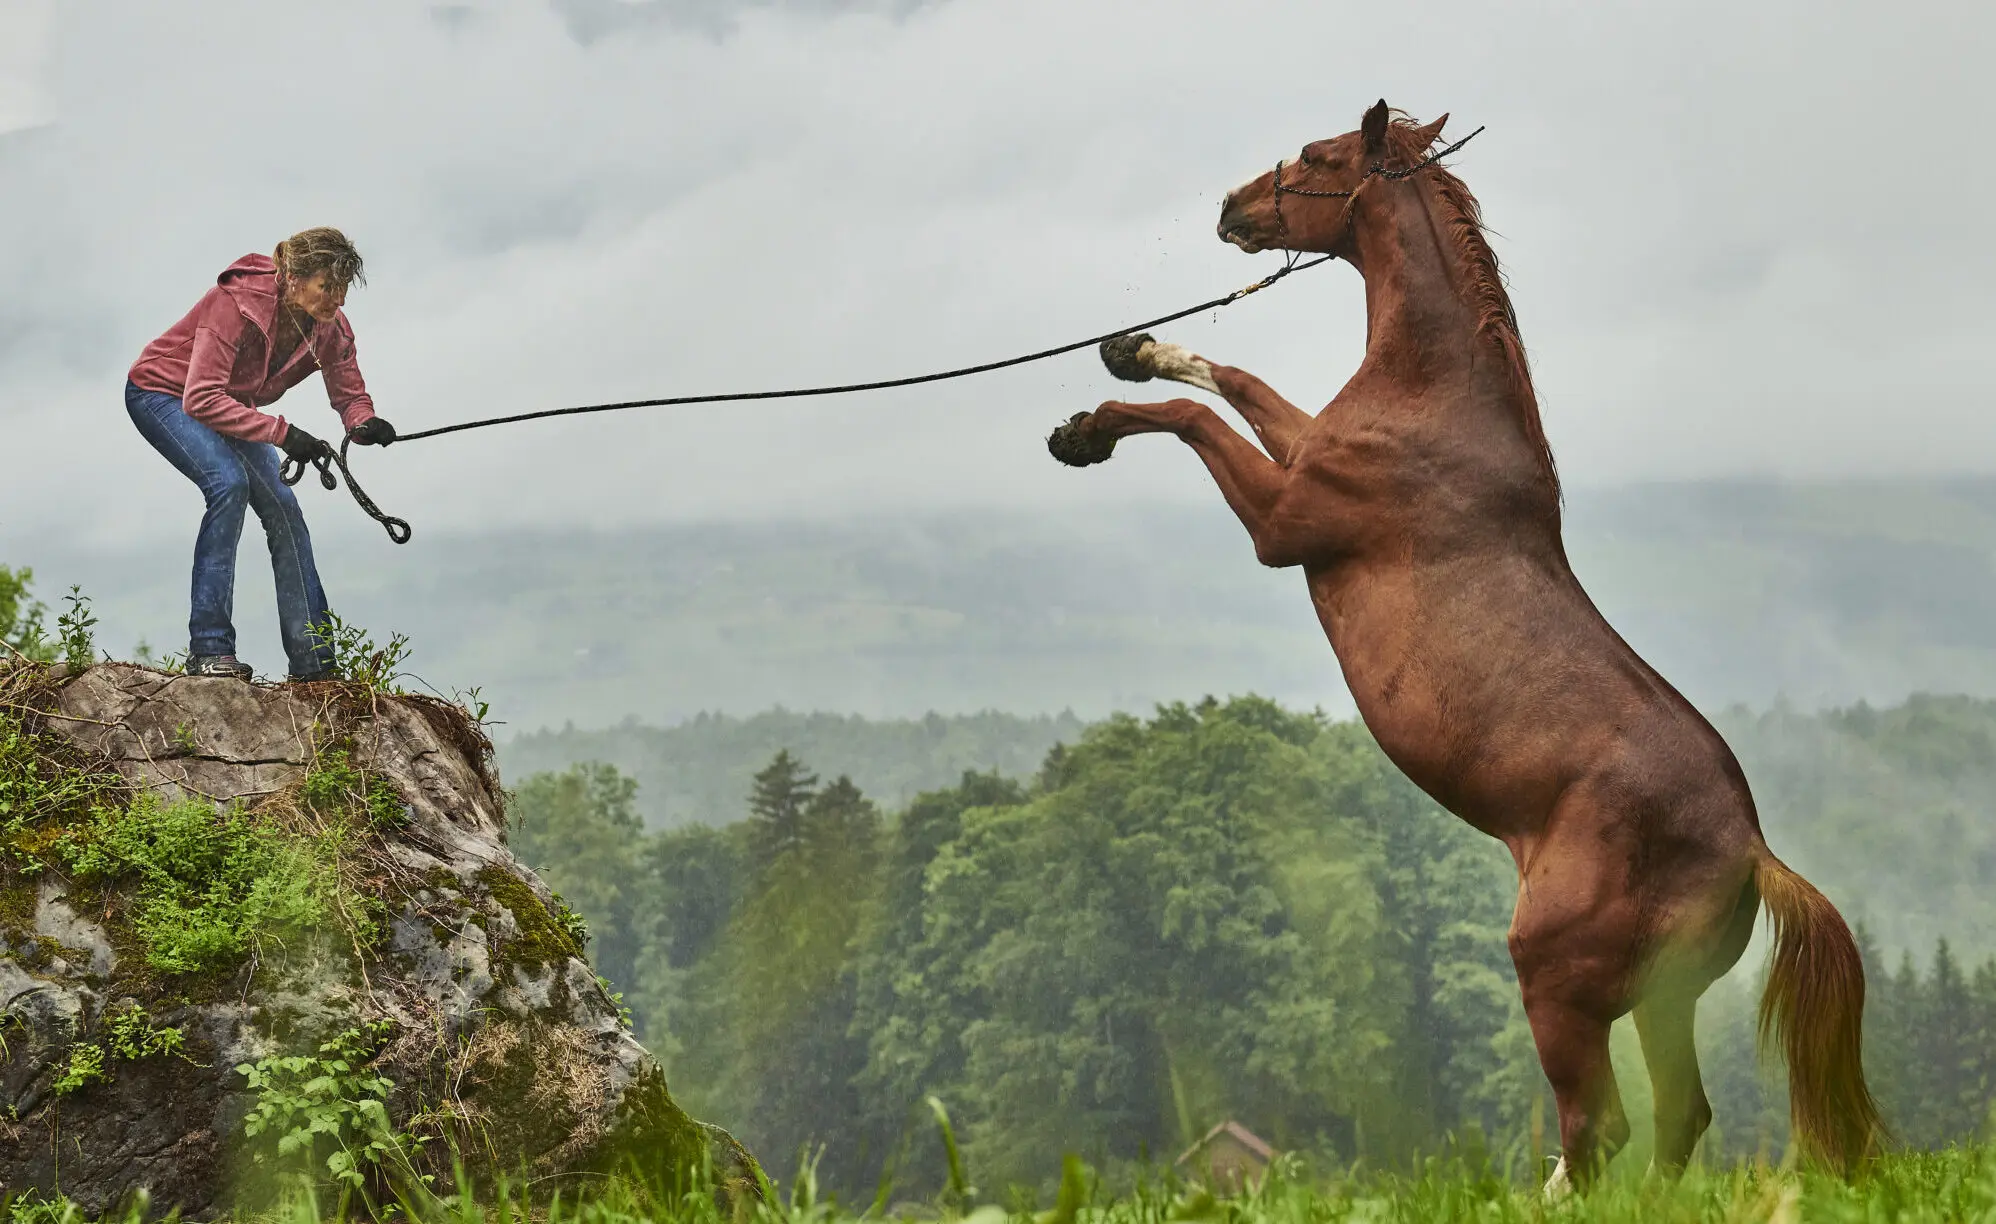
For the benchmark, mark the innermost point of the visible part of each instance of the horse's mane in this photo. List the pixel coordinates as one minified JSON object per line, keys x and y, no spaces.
{"x":1496,"y":324}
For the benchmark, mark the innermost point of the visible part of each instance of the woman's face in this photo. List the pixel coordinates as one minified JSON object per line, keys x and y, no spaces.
{"x":317,"y":296}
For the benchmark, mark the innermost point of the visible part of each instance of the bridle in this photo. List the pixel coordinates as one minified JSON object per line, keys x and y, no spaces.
{"x":1377,"y":171}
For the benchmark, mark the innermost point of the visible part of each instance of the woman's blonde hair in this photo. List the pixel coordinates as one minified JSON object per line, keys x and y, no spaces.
{"x":322,"y":248}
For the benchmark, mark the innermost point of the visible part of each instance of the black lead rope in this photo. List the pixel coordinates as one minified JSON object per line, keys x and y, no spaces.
{"x":885,"y":384}
{"x":400,"y":531}
{"x":293,"y":470}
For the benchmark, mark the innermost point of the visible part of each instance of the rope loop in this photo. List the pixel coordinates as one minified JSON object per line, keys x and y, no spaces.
{"x":291,"y":471}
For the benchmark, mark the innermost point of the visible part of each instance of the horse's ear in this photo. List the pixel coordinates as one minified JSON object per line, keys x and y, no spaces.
{"x":1373,"y":129}
{"x":1427,"y":134}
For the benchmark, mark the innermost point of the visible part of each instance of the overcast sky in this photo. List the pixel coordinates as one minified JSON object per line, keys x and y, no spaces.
{"x":1742,"y":238}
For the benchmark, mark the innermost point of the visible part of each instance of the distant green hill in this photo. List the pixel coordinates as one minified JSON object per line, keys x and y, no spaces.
{"x":1739,"y":591}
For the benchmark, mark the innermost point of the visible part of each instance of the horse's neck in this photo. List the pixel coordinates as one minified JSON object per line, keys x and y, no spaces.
{"x":1419,"y":329}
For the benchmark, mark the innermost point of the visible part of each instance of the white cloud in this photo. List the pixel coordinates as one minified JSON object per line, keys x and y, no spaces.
{"x":26,"y":29}
{"x":1741,"y":239}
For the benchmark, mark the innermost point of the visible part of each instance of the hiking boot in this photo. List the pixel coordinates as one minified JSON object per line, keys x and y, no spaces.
{"x":227,"y":666}
{"x":312,"y":677}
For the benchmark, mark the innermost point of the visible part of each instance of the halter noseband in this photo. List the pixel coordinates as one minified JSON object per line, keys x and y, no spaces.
{"x":1377,"y":171}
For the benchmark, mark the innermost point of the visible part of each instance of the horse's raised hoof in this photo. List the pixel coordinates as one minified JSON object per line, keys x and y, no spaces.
{"x":1125,"y":357}
{"x":1075,"y":446}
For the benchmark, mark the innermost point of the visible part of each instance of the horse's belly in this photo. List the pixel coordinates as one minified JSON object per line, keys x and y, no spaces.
{"x":1459,"y":703}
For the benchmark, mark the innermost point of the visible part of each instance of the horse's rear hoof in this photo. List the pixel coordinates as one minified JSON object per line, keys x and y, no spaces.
{"x":1125,"y":358}
{"x":1076,"y":447}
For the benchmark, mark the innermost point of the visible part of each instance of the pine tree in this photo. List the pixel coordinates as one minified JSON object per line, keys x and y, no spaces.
{"x":1981,"y":1074}
{"x":1912,"y":1089}
{"x":1953,"y":1111}
{"x":776,"y":807}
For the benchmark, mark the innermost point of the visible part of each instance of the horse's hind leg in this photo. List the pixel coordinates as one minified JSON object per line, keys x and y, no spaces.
{"x":1664,"y":1021}
{"x":1275,"y":421}
{"x":1707,"y":931}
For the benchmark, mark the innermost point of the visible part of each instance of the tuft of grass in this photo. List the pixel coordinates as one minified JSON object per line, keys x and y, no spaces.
{"x":206,"y":886}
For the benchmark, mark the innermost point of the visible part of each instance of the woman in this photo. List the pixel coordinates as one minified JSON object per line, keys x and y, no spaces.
{"x":197,"y":394}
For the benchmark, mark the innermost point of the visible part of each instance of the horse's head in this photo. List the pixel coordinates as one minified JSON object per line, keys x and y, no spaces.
{"x":1305,"y":204}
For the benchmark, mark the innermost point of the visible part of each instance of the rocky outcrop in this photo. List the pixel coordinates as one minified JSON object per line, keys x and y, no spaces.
{"x":440,"y":957}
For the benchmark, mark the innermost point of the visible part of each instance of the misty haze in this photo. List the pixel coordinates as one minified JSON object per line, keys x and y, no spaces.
{"x":943,"y":824}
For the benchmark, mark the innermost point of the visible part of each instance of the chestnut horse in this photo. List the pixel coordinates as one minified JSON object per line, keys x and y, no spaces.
{"x":1423,"y":508}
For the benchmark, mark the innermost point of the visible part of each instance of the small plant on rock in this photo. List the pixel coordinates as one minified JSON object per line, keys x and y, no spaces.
{"x":329,"y":1111}
{"x":86,"y":1067}
{"x":39,"y":784}
{"x":207,"y":886}
{"x":358,"y":658}
{"x":173,"y":663}
{"x":133,"y":1036}
{"x":335,"y":785}
{"x":76,"y":631}
{"x":570,"y":922}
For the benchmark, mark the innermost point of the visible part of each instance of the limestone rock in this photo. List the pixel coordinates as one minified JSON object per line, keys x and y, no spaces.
{"x":502,"y":1041}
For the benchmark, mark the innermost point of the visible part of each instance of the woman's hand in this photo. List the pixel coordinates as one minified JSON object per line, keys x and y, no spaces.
{"x":302,"y":448}
{"x":374,"y":431}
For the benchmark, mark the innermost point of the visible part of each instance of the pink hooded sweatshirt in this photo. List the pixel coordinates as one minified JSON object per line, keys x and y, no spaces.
{"x":217,"y":359}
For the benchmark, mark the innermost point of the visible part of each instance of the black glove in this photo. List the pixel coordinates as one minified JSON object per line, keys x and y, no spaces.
{"x":374,"y":431}
{"x":302,"y":448}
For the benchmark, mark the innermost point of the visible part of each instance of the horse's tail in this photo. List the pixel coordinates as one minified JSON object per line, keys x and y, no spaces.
{"x":1814,"y":1008}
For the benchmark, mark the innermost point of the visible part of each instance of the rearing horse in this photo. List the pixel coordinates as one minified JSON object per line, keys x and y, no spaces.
{"x":1423,"y":508}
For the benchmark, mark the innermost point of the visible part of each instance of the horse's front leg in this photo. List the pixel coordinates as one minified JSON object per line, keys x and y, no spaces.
{"x":1252,"y":483}
{"x":1276,"y":421}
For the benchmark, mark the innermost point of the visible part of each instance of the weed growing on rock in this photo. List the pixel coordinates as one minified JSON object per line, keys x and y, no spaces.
{"x":358,"y":658}
{"x":133,"y":1036}
{"x":335,"y":785}
{"x":616,"y":998}
{"x":329,"y":1111}
{"x":173,"y":663}
{"x":38,"y":782}
{"x":207,"y":885}
{"x":86,"y":1067}
{"x":76,"y":631}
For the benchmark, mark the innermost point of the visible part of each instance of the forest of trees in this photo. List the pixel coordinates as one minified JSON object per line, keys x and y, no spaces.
{"x":1227,"y":910}
{"x":697,"y":771}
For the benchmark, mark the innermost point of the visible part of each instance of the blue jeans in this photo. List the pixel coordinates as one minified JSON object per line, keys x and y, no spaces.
{"x":232,"y":474}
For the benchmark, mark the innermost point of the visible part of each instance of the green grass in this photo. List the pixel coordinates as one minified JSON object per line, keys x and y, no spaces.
{"x":1956,"y":1186}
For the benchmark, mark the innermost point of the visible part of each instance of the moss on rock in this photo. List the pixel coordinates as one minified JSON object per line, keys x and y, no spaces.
{"x":542,"y":940}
